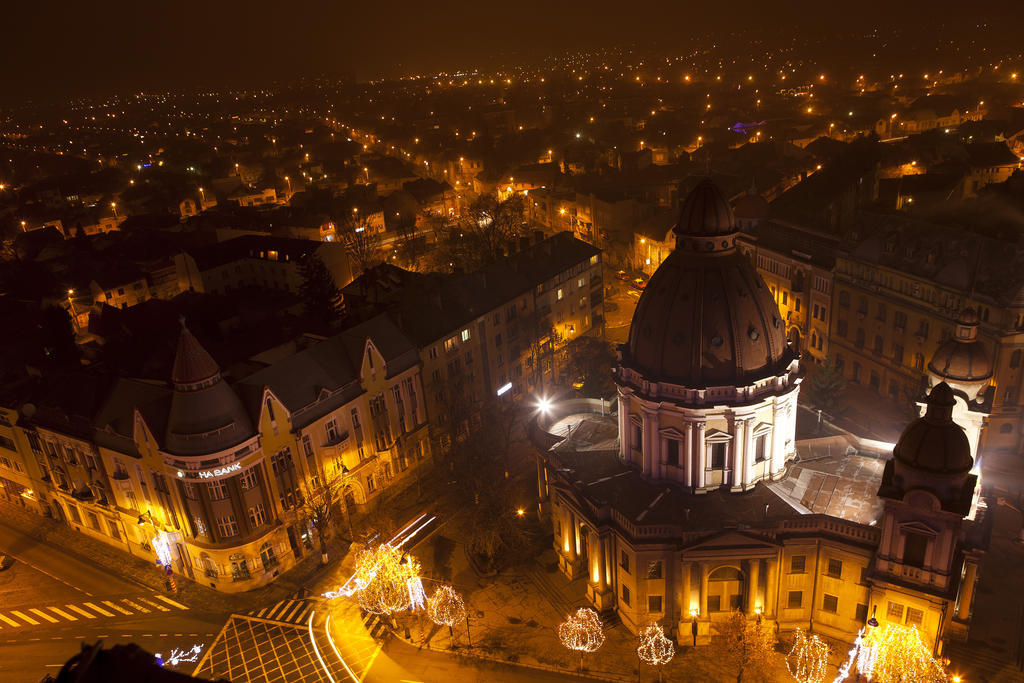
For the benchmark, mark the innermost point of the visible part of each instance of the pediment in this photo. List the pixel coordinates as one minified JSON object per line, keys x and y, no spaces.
{"x":717,"y":436}
{"x":672,"y":433}
{"x":918,"y":528}
{"x":731,"y":543}
{"x":762,"y":428}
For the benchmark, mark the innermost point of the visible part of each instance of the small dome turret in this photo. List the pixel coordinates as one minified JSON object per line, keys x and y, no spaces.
{"x":934,"y":443}
{"x":963,"y":359}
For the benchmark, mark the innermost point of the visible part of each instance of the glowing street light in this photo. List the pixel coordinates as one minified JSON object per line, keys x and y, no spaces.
{"x":544,"y":405}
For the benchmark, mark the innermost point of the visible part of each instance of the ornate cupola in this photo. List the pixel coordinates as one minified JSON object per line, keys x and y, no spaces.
{"x":206,"y":414}
{"x":963,"y":363}
{"x":707,"y":381}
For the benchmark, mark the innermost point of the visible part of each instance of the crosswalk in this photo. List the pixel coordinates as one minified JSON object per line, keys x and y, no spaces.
{"x":24,"y":617}
{"x":294,"y":611}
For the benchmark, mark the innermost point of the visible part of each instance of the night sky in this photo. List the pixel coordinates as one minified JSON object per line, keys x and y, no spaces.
{"x":74,"y":47}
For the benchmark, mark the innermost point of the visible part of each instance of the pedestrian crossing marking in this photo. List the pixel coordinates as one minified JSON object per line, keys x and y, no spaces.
{"x":153,"y":604}
{"x":170,"y":602}
{"x":120,"y":609}
{"x":81,"y":611}
{"x":99,"y":609}
{"x":133,"y":605}
{"x":44,"y":615}
{"x":24,"y":617}
{"x":64,"y":614}
{"x":12,"y":622}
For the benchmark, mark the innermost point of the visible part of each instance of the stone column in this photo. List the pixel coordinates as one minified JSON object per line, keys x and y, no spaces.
{"x":700,"y":461}
{"x":704,"y":591}
{"x":689,"y":476}
{"x":625,"y":428}
{"x":684,"y":605}
{"x":772,"y":577}
{"x":596,"y":546}
{"x":739,"y":453}
{"x":753,"y":579}
{"x":654,"y":443}
{"x":778,"y":429}
{"x":967,"y":592}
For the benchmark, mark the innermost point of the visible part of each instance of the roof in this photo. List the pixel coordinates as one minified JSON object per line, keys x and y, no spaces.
{"x":249,"y":246}
{"x":192,"y":364}
{"x":705,"y":212}
{"x":934,"y":443}
{"x":987,"y":154}
{"x":962,"y":358}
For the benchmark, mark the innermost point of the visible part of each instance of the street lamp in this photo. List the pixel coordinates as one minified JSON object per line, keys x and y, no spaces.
{"x":693,"y":624}
{"x":113,"y":205}
{"x":544,"y":405}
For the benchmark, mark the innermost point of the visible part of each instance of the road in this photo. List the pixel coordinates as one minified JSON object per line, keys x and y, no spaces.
{"x":51,"y":602}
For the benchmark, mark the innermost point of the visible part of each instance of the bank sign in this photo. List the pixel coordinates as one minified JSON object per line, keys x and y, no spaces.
{"x":215,"y":473}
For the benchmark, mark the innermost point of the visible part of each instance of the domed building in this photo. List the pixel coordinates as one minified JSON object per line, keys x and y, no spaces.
{"x":707,"y":382}
{"x":695,"y":499}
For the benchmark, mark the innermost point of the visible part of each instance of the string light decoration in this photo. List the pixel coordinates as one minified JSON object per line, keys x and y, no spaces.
{"x":851,"y":657}
{"x":582,"y":632}
{"x":382,"y":579}
{"x":896,"y":654}
{"x":808,"y":659}
{"x":655,"y":649}
{"x":417,"y":596}
{"x":445,"y":607}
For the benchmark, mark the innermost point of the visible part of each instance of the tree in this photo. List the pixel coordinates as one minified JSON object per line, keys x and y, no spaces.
{"x":582,"y":632}
{"x":362,"y":244}
{"x":592,"y":359}
{"x":808,"y":658}
{"x":320,"y":295}
{"x":490,"y":227}
{"x":746,"y":646}
{"x":384,"y":579}
{"x":319,"y":504}
{"x":654,"y":648}
{"x":445,"y":608}
{"x":897,"y":654}
{"x":825,"y":386}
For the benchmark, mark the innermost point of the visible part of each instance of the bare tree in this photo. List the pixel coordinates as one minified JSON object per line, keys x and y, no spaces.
{"x":362,"y":244}
{"x":747,"y":646}
{"x":320,"y":499}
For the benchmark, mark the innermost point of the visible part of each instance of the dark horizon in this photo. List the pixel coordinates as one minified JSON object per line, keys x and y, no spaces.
{"x":126,"y":46}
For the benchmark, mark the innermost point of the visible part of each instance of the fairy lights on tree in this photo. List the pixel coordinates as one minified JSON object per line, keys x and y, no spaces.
{"x":896,"y":654}
{"x":385,"y":579}
{"x":445,"y":608}
{"x":655,"y":649}
{"x":808,"y":659}
{"x":582,"y":632}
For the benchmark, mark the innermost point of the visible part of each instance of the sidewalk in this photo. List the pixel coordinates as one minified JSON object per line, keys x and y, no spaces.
{"x":120,"y":563}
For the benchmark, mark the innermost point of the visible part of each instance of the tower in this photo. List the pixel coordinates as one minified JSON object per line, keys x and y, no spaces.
{"x":707,"y":384}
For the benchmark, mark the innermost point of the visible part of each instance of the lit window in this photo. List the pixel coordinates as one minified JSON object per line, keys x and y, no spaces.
{"x":465,"y":335}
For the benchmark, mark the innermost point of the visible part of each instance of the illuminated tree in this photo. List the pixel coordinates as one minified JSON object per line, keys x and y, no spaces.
{"x":744,"y":645}
{"x":582,"y":632}
{"x":655,"y":649}
{"x":385,"y":579}
{"x":808,"y":658}
{"x":445,"y":608}
{"x":896,"y":654}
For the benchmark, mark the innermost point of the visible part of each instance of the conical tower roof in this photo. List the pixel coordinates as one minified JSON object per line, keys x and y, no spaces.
{"x":206,"y":414}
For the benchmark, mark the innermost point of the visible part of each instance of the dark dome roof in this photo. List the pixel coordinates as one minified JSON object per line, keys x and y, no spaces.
{"x":934,"y":443}
{"x":705,"y":212}
{"x":706,"y":317}
{"x":206,"y":414}
{"x":962,"y":358}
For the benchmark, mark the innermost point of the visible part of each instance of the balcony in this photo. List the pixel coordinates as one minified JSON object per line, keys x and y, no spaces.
{"x":120,"y":475}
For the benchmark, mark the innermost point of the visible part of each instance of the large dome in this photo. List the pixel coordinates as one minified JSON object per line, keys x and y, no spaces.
{"x":934,"y":443}
{"x":706,"y":317}
{"x":962,"y":358}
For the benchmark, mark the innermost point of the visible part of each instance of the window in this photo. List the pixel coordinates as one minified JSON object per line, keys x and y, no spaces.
{"x":914,"y":549}
{"x":797,"y":564}
{"x":190,"y":491}
{"x":307,"y":446}
{"x":200,"y":527}
{"x":914,"y":617}
{"x":370,"y":486}
{"x":624,"y":561}
{"x":581,"y":282}
{"x":878,"y":344}
{"x":227,"y":526}
{"x":830,"y":603}
{"x":759,"y":447}
{"x":862,"y":613}
{"x":881,"y":314}
{"x":894,"y":613}
{"x":718,"y":456}
{"x":796,"y":599}
{"x":257,"y":517}
{"x":859,"y":341}
{"x":94,"y":521}
{"x":248,"y":478}
{"x":841,"y":328}
{"x":449,"y":344}
{"x":332,"y":431}
{"x":897,"y":354}
{"x":433,"y":353}
{"x":270,"y":409}
{"x":73,"y":511}
{"x":268,"y":556}
{"x":672,"y":452}
{"x":625,"y":594}
{"x":654,"y":604}
{"x":465,"y":335}
{"x":835,"y":569}
{"x":281,"y":461}
{"x":654,"y":569}
{"x":1015,"y":359}
{"x":919,"y":362}
{"x":637,"y":438}
{"x":559,"y":295}
{"x":218,"y":490}
{"x":844,"y":299}
{"x":899,"y":320}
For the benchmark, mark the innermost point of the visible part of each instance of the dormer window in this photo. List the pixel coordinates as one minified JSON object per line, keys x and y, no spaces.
{"x":914,"y":549}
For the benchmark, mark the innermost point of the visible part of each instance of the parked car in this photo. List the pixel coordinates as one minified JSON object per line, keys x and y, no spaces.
{"x":5,"y":561}
{"x":577,"y":383}
{"x":638,"y":282}
{"x":622,"y":275}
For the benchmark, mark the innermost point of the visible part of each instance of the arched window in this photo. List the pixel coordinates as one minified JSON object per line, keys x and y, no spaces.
{"x":844,"y":299}
{"x":1015,"y":359}
{"x":918,"y":362}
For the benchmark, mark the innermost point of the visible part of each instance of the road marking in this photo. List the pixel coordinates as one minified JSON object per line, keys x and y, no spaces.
{"x":81,"y":611}
{"x":44,"y":615}
{"x":24,"y":617}
{"x":12,"y":622}
{"x":52,"y":576}
{"x":63,"y":613}
{"x":99,"y":609}
{"x":316,"y":651}
{"x":120,"y":609}
{"x":133,"y":605}
{"x":154,"y":604}
{"x":170,"y":602}
{"x":368,"y":666}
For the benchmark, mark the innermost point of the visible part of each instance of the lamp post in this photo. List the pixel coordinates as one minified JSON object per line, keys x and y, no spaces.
{"x":693,"y":625}
{"x":113,"y":205}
